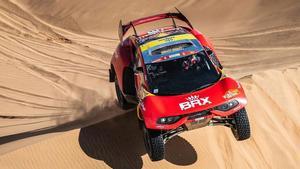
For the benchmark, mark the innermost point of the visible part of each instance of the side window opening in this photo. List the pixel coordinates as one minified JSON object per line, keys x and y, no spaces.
{"x":213,"y":57}
{"x":137,"y":59}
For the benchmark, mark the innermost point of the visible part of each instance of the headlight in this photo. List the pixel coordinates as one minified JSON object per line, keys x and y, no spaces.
{"x":227,"y":106}
{"x":168,"y":120}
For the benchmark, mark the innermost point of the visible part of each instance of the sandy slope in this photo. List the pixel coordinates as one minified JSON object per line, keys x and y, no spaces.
{"x":54,"y":58}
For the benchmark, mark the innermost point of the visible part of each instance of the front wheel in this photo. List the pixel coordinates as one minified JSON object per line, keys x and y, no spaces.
{"x":154,"y":144}
{"x":241,"y":126}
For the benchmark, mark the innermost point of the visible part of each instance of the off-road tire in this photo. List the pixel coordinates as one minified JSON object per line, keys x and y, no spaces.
{"x":121,"y":99}
{"x":241,"y":128}
{"x":154,"y":144}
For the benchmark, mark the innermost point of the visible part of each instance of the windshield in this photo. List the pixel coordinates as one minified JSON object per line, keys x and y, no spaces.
{"x":182,"y":75}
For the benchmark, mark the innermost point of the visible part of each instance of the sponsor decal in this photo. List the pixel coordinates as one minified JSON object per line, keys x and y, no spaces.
{"x":155,"y":31}
{"x":182,"y":54}
{"x":160,"y":126}
{"x":162,"y":34}
{"x":161,"y":41}
{"x":193,"y":101}
{"x":231,"y":93}
{"x":166,"y":57}
{"x":185,"y":53}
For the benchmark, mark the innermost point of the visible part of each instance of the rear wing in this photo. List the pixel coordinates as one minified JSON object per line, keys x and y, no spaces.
{"x":124,"y":28}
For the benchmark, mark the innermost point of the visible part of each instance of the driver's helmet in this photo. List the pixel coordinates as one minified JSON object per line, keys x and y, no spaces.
{"x":191,"y":62}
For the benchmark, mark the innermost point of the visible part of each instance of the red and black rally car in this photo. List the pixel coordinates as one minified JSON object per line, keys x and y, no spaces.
{"x":175,"y":78}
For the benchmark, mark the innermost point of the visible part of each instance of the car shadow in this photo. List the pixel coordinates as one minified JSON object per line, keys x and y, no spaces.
{"x":119,"y":143}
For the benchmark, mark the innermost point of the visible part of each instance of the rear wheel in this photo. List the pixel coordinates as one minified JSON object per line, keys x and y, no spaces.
{"x":121,"y":99}
{"x":154,"y":144}
{"x":241,"y":127}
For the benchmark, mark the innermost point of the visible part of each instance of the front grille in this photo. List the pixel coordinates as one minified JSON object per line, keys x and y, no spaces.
{"x":199,"y":114}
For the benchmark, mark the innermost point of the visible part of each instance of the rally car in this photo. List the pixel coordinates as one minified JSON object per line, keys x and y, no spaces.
{"x":175,"y":79}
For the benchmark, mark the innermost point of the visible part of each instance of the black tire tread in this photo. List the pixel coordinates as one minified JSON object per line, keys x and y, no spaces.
{"x":158,"y":146}
{"x":243,"y":131}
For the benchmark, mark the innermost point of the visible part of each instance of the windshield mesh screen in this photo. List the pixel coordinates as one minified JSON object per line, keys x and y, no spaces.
{"x":171,"y":48}
{"x":182,"y":75}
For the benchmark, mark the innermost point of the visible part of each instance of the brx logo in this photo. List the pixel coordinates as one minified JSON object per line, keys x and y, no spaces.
{"x":193,"y":101}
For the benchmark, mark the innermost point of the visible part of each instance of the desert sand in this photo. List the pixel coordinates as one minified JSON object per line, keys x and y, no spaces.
{"x":59,"y":111}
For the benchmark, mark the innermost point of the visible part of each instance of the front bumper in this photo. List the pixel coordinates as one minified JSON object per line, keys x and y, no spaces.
{"x":194,"y":120}
{"x":189,"y":121}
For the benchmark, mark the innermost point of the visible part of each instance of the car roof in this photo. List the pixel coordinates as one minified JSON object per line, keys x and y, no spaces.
{"x":162,"y":40}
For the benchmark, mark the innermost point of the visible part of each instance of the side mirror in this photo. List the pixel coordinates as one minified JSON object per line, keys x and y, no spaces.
{"x":140,"y":69}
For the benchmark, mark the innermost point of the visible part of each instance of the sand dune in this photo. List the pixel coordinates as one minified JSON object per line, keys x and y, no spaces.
{"x":58,"y":109}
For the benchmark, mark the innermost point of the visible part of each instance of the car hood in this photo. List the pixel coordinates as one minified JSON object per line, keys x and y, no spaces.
{"x":214,"y":95}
